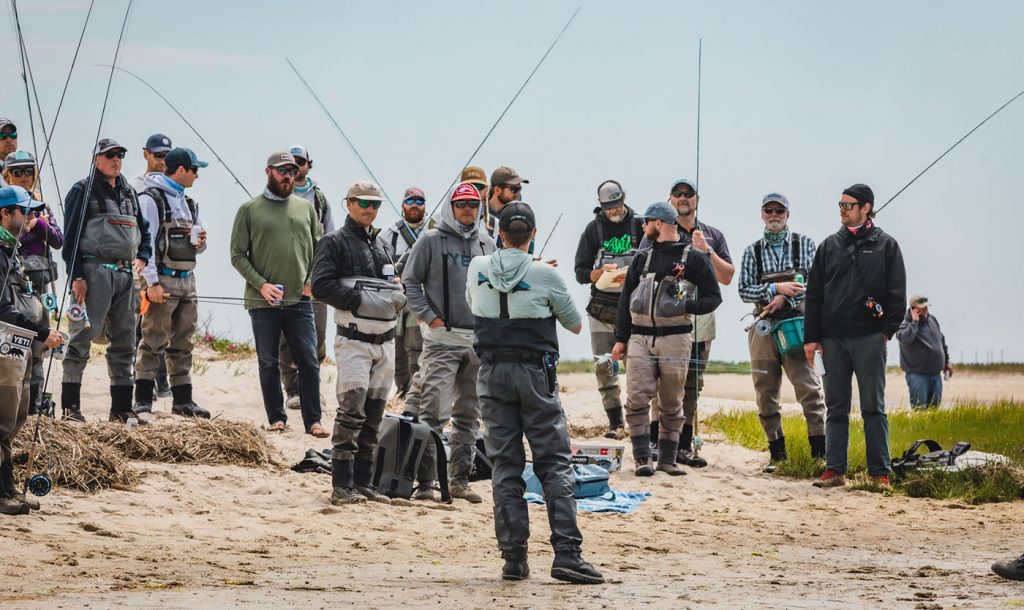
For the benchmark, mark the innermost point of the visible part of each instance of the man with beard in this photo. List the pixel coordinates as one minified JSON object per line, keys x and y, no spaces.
{"x":665,"y":287}
{"x":308,"y":189}
{"x":506,"y":187}
{"x":272,"y":245}
{"x":8,"y":142}
{"x":607,"y":245}
{"x":769,"y":279}
{"x":401,"y":236}
{"x":106,"y":238}
{"x":435,"y":279}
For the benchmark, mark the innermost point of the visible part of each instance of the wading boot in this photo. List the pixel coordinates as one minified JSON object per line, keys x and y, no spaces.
{"x":642,"y":455}
{"x":425,"y":492}
{"x":570,"y":567}
{"x":777,"y":451}
{"x":515,"y":567}
{"x":121,"y":403}
{"x":817,"y":446}
{"x":362,"y":476}
{"x":144,"y":400}
{"x":341,"y":480}
{"x":10,"y":488}
{"x":1012,"y":569}
{"x":460,"y":488}
{"x":667,"y":450}
{"x":71,"y":401}
{"x":183,"y":404}
{"x":686,"y":456}
{"x":614,"y":422}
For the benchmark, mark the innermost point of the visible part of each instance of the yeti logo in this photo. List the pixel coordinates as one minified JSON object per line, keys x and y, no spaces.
{"x":22,"y":341}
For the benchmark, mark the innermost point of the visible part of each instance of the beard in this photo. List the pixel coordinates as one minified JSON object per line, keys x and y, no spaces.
{"x":615,"y":215}
{"x":775,"y":226}
{"x":651,"y":233}
{"x":279,"y":188}
{"x":415,"y":214}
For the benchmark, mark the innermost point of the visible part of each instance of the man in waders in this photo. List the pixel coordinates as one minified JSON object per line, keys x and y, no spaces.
{"x":308,"y":189}
{"x":855,"y":300}
{"x":666,"y":285}
{"x":408,"y":338}
{"x":773,"y":274}
{"x":171,"y":315}
{"x":20,"y":308}
{"x":354,"y":273}
{"x":516,"y":302}
{"x":106,"y":237}
{"x":607,"y":246}
{"x":435,"y":280}
{"x":272,"y":244}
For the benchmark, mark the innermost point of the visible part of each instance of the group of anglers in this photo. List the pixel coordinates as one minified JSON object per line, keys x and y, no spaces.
{"x":462,"y":315}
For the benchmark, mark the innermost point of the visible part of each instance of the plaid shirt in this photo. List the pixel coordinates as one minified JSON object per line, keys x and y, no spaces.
{"x":751,"y":290}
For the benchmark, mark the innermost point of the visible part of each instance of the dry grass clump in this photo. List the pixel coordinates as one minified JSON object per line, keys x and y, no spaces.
{"x":74,"y":457}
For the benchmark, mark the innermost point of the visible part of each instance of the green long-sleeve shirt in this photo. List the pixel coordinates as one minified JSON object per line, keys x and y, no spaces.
{"x":273,"y":241}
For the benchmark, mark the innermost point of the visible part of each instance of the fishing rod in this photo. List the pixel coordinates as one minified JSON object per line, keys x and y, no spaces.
{"x":182,"y":117}
{"x":503,"y":113}
{"x":24,"y":74}
{"x":42,"y":484}
{"x":697,"y":441}
{"x":950,"y":149}
{"x":555,"y":226}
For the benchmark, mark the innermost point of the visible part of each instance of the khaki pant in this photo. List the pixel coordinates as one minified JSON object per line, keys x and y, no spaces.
{"x":365,"y":374}
{"x":449,"y":393}
{"x":764,"y":355}
{"x":167,"y":330}
{"x":648,"y":378}
{"x":602,"y":340}
{"x":290,"y":370}
{"x":14,"y":380}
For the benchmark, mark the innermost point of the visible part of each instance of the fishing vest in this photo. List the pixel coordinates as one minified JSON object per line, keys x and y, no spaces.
{"x":661,"y":303}
{"x":173,"y":247}
{"x":618,"y":250}
{"x":786,"y":275}
{"x":111,"y":232}
{"x":24,"y":296}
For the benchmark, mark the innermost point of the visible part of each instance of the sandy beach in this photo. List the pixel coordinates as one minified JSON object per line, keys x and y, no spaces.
{"x":725,"y":536}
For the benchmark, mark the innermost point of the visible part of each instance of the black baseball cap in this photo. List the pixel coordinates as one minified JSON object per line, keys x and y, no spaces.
{"x":517,"y":211}
{"x":158,"y":142}
{"x":183,"y":157}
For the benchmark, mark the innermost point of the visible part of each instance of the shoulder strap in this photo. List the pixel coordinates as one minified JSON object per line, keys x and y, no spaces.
{"x":503,"y":305}
{"x":444,"y":273}
{"x":394,"y":241}
{"x":193,"y":207}
{"x":795,"y":251}
{"x":163,"y":209}
{"x":319,"y":203}
{"x":600,"y":234}
{"x":759,"y":259}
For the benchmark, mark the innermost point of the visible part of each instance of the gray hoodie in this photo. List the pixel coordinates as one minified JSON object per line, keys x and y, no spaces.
{"x":922,"y":345}
{"x":450,"y":245}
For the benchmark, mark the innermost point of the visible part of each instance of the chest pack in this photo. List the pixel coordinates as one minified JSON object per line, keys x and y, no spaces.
{"x":111,"y":233}
{"x":173,"y":242}
{"x":402,"y":230}
{"x":662,"y":303}
{"x":789,"y":274}
{"x":24,"y":295}
{"x":617,"y":250}
{"x":401,"y":442}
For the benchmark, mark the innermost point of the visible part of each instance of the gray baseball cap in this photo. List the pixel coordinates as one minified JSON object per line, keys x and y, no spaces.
{"x":610,"y":194}
{"x":778,"y":198}
{"x":661,"y":210}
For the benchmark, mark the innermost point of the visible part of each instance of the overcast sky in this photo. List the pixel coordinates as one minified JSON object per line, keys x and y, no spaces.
{"x":805,"y":98}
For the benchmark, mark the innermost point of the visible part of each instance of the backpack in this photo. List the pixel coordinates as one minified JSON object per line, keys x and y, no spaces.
{"x":936,"y":457}
{"x":482,"y":467}
{"x":401,"y":441}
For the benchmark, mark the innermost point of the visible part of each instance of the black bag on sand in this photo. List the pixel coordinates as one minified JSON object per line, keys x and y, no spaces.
{"x":315,"y":461}
{"x":401,"y":441}
{"x":936,"y":456}
{"x":482,"y":465}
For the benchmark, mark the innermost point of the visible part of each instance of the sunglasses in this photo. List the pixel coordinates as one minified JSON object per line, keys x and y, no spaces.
{"x":18,"y":172}
{"x":770,"y":211}
{"x":414,"y":202}
{"x":683,"y":194}
{"x":847,"y":206}
{"x":194,"y":170}
{"x":480,"y":187}
{"x":515,"y":189}
{"x":647,"y":221}
{"x":301,"y":162}
{"x":462,"y":205}
{"x":366,"y":203}
{"x":110,"y":154}
{"x":283,"y":170}
{"x":159,"y":155}
{"x":12,"y":135}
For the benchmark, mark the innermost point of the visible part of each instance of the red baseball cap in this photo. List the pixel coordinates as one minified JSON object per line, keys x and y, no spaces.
{"x":465,"y":191}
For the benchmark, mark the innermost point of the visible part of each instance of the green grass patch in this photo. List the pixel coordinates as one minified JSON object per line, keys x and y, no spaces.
{"x":995,"y":428}
{"x":715,"y":367}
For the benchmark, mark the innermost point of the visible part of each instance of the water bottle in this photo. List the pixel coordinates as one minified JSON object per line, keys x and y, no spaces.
{"x":389,"y":272}
{"x":819,"y":364}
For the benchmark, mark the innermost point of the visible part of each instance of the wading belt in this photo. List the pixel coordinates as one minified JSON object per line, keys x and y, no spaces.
{"x":355,"y":335}
{"x":661,"y":331}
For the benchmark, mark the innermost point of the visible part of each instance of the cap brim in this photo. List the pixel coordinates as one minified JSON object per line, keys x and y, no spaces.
{"x":110,"y":148}
{"x":202,"y":164}
{"x":283,"y":163}
{"x":159,"y":149}
{"x":368,"y":197}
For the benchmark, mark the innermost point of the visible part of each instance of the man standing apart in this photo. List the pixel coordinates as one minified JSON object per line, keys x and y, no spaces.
{"x":607,"y":245}
{"x":435,"y":279}
{"x":924,"y":356}
{"x":169,"y":277}
{"x":769,"y":279}
{"x":516,"y":302}
{"x":106,"y":237}
{"x":855,"y":302}
{"x":272,"y":244}
{"x":401,"y":236}
{"x":308,"y":189}
{"x":348,"y":274}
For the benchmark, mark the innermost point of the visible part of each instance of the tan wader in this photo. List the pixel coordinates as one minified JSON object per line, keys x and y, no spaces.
{"x":767,"y":365}
{"x":167,"y":329}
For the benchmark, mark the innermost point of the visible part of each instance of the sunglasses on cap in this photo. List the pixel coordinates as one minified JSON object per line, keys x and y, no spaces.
{"x":414,"y":202}
{"x":366,"y":203}
{"x":515,"y":189}
{"x":159,"y":155}
{"x":683,"y":193}
{"x":284,"y":170}
{"x":770,"y":211}
{"x":110,"y":154}
{"x":18,"y":172}
{"x":12,"y":135}
{"x":467,"y":203}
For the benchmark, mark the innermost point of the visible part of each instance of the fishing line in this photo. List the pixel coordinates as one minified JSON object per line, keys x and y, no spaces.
{"x":42,"y":124}
{"x":553,"y":227}
{"x":697,"y":442}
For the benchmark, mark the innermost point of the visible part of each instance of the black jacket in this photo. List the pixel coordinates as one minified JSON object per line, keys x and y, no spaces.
{"x":350,"y":251}
{"x":847,"y":270}
{"x":8,"y":312}
{"x":120,"y":196}
{"x":599,"y":231}
{"x":699,"y":272}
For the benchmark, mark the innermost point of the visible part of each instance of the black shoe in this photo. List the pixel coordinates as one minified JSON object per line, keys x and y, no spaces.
{"x":163,"y":388}
{"x":687,"y":457}
{"x":190,"y":409}
{"x":570,"y":567}
{"x":515,"y":567}
{"x":1012,"y":569}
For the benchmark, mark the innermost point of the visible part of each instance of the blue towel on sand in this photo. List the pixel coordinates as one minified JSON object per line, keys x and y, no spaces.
{"x":625,"y":502}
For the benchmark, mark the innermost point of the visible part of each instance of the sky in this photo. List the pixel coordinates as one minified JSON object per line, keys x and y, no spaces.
{"x":800,"y":97}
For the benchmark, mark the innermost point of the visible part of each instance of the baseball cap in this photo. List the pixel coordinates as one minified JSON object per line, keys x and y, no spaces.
{"x":507,"y":176}
{"x":107,"y":145}
{"x":158,"y":142}
{"x":682,"y":181}
{"x":775,"y":198}
{"x":5,"y":122}
{"x":413,"y":192}
{"x":517,"y":211}
{"x":465,"y":192}
{"x":364,"y":189}
{"x":920,"y":300}
{"x":610,"y":194}
{"x":299,"y":151}
{"x":183,"y":157}
{"x":661,"y":210}
{"x":474,"y":175}
{"x":281,"y":158}
{"x":14,"y":196}
{"x":20,"y":158}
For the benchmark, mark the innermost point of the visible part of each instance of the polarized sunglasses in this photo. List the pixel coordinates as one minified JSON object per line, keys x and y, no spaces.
{"x":683,"y":194}
{"x":515,"y":189}
{"x":159,"y":155}
{"x":777,"y":211}
{"x":414,"y":202}
{"x":18,"y":172}
{"x":301,"y":162}
{"x":110,"y":154}
{"x":847,"y":206}
{"x":366,"y":203}
{"x":13,"y":135}
{"x":467,"y":203}
{"x":284,"y":170}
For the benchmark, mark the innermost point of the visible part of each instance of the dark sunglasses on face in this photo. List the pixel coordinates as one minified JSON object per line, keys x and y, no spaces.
{"x":770,"y":211}
{"x":683,"y":194}
{"x":110,"y":154}
{"x":515,"y":189}
{"x":365,"y":203}
{"x":462,"y":205}
{"x":847,"y":206}
{"x":18,"y":172}
{"x":159,"y":155}
{"x":300,"y":161}
{"x":194,"y":170}
{"x":13,"y":135}
{"x":284,"y":170}
{"x":414,"y":202}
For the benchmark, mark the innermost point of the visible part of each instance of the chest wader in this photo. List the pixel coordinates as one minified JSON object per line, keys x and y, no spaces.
{"x":658,"y":307}
{"x":111,"y":233}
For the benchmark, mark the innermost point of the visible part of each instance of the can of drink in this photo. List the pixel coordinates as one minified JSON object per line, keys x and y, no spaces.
{"x":389,"y":272}
{"x":196,"y":230}
{"x":58,"y":352}
{"x":799,"y":279}
{"x":281,"y":288}
{"x":819,"y":364}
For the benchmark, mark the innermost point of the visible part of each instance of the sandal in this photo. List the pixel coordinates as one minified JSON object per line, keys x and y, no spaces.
{"x":317,"y":431}
{"x":278,"y":426}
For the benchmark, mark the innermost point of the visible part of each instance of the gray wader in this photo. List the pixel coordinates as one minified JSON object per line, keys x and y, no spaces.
{"x":449,"y":393}
{"x":602,"y":340}
{"x":108,"y":304}
{"x":15,"y":373}
{"x":408,"y":347}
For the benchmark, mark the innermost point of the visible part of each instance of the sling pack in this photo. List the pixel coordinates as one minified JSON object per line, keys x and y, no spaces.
{"x":401,"y":441}
{"x":378,"y":308}
{"x":657,"y":303}
{"x":935,"y":458}
{"x":173,"y":241}
{"x":407,"y":236}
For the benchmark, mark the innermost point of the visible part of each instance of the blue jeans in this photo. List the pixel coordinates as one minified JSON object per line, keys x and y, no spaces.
{"x":925,"y":390}
{"x":297,"y":325}
{"x":864,"y":357}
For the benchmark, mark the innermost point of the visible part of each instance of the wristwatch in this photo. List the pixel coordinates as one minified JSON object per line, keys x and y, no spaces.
{"x":710,"y":251}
